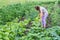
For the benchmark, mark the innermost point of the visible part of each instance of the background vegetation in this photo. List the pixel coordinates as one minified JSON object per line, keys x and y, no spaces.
{"x":20,"y":21}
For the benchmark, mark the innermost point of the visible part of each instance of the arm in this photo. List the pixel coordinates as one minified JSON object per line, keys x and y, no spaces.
{"x":41,"y":15}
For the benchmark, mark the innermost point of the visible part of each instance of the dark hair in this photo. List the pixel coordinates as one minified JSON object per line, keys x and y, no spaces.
{"x":37,"y":8}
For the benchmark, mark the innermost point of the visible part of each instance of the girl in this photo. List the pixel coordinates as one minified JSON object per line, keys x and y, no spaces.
{"x":43,"y":15}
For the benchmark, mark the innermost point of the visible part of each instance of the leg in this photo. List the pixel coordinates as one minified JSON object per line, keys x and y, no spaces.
{"x":45,"y":17}
{"x":44,"y":25}
{"x":44,"y":21}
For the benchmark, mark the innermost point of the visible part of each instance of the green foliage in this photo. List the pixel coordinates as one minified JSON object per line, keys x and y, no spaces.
{"x":15,"y":31}
{"x":19,"y":11}
{"x":28,"y":27}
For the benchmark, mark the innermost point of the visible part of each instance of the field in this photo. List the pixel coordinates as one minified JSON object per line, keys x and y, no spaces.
{"x":20,"y":21}
{"x":7,"y":2}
